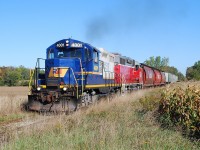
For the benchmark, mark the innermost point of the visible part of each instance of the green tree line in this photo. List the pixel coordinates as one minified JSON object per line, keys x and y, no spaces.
{"x":193,"y":72}
{"x":14,"y":76}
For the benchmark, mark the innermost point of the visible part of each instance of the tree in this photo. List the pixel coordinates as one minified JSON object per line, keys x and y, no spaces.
{"x":157,"y":62}
{"x":24,"y":73}
{"x":1,"y":81}
{"x":193,"y":72}
{"x":181,"y":77}
{"x":11,"y":77}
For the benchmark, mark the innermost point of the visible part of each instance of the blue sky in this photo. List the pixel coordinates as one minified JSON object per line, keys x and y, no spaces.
{"x":135,"y":28}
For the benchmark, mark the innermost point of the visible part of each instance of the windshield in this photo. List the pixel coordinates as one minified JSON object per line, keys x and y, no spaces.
{"x":70,"y":53}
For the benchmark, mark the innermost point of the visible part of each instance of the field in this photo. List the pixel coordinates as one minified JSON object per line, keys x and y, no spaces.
{"x":11,"y":99}
{"x":120,"y":123}
{"x":12,"y":118}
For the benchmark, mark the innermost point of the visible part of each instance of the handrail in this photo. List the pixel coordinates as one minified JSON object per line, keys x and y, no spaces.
{"x":81,"y":71}
{"x":75,"y":81}
{"x":81,"y":76}
{"x":30,"y":81}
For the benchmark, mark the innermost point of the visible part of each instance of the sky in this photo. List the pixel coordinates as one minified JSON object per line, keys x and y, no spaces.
{"x":138,"y":29}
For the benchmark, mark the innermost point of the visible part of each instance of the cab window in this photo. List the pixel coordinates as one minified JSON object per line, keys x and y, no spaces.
{"x":95,"y":56}
{"x":75,"y":53}
{"x":87,"y":54}
{"x":69,"y":53}
{"x":51,"y":54}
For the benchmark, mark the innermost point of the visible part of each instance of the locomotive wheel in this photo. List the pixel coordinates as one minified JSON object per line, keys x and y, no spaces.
{"x":72,"y":105}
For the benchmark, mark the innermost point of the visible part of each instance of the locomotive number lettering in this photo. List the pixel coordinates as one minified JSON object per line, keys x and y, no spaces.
{"x":60,"y":45}
{"x":76,"y":45}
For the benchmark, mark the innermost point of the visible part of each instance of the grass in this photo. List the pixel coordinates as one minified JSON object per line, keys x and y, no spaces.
{"x":10,"y":117}
{"x":11,"y":99}
{"x":117,"y":124}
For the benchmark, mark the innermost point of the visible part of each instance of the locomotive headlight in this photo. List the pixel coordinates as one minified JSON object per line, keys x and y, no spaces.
{"x":38,"y":88}
{"x":64,"y":89}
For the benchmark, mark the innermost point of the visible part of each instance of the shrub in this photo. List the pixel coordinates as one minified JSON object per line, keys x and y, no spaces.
{"x":182,"y":107}
{"x":151,"y":101}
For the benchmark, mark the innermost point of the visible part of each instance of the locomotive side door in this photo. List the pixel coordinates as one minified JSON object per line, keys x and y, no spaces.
{"x":95,"y":60}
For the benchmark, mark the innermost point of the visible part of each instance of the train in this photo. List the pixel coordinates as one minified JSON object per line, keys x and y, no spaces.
{"x":77,"y":74}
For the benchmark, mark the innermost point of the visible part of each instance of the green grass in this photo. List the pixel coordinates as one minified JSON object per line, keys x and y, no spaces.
{"x":119,"y":124}
{"x":10,"y":117}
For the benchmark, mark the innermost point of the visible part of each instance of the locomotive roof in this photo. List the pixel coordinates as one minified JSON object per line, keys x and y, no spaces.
{"x":151,"y":67}
{"x":71,"y":41}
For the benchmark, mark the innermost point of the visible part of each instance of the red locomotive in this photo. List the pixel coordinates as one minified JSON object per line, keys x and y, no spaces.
{"x":131,"y":74}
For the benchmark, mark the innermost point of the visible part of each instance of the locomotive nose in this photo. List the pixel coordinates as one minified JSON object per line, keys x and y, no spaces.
{"x":62,"y":71}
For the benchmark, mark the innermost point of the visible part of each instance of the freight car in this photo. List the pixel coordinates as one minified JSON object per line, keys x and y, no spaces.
{"x":77,"y":74}
{"x":170,"y":78}
{"x":153,"y":76}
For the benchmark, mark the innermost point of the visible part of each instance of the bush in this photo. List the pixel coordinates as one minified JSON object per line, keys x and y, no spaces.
{"x":23,"y":83}
{"x":182,"y":107}
{"x":150,"y":102}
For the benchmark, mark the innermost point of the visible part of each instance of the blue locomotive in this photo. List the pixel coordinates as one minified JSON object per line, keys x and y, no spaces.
{"x":73,"y":74}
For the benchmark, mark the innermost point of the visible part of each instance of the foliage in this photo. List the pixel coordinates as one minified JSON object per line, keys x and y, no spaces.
{"x":193,"y":72}
{"x":157,"y":62}
{"x":182,"y":107}
{"x":12,"y":76}
{"x":24,"y":72}
{"x":151,"y":101}
{"x":181,"y":77}
{"x":1,"y":81}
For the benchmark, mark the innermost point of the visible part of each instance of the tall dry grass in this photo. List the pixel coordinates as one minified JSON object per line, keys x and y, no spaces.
{"x":11,"y":99}
{"x":110,"y":124}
